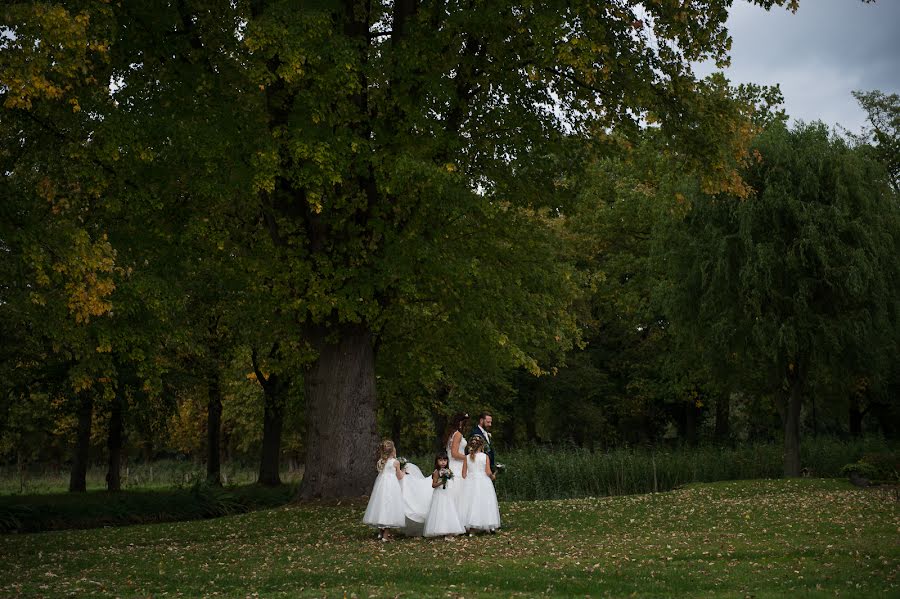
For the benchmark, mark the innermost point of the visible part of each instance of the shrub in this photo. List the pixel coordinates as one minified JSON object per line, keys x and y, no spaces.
{"x":34,"y":513}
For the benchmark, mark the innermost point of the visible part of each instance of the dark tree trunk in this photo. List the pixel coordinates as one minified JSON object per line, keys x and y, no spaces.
{"x":856,"y":417}
{"x":439,"y":423}
{"x":791,"y":417}
{"x":341,"y":437}
{"x":114,"y":444}
{"x":78,"y":476}
{"x":275,"y":388}
{"x":273,"y":423}
{"x":815,"y":416}
{"x":509,"y":427}
{"x":723,"y":415}
{"x":690,"y":423}
{"x":214,"y":429}
{"x":887,"y":415}
{"x":147,"y":450}
{"x":531,"y":429}
{"x":396,"y":429}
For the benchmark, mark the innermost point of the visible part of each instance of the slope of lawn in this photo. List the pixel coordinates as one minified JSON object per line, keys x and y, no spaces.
{"x":734,"y":539}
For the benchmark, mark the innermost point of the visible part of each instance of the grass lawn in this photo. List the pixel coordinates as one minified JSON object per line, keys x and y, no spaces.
{"x":735,"y":539}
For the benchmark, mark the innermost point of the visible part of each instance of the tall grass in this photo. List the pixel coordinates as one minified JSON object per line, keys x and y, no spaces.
{"x":545,"y":472}
{"x":162,"y":474}
{"x":567,"y":472}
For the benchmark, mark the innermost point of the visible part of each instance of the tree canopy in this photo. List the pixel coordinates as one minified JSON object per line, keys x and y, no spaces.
{"x":349,"y":197}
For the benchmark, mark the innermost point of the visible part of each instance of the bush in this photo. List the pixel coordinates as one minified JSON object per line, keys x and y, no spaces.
{"x":876,"y":466}
{"x":34,"y":513}
{"x":861,"y":469}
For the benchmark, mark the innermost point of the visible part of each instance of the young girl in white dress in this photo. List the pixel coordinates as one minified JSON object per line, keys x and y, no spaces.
{"x":443,"y":518}
{"x":385,"y":510}
{"x":480,"y":508}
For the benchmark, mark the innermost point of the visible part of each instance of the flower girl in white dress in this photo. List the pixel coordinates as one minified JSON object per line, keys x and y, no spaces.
{"x":443,"y":518}
{"x":385,"y":510}
{"x":480,"y":508}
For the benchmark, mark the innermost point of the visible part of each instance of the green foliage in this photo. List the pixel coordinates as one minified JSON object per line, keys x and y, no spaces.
{"x":877,"y":466}
{"x":559,"y":473}
{"x":153,"y":476}
{"x":883,"y":112}
{"x":860,"y":469}
{"x":258,"y":178}
{"x":36,"y":513}
{"x":796,"y":287}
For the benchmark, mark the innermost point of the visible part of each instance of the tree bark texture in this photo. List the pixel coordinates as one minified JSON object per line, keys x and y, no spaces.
{"x":273,"y":423}
{"x":114,"y":444}
{"x":856,"y":416}
{"x":791,"y":419}
{"x":723,"y":415}
{"x":214,"y":429}
{"x":341,"y":438}
{"x":78,"y":476}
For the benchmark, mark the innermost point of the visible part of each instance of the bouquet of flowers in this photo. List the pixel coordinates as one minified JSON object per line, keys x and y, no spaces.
{"x":445,"y":474}
{"x":403,"y":462}
{"x":499,"y":467}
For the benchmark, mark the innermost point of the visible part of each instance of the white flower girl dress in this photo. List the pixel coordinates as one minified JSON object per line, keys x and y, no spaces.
{"x":385,"y":509}
{"x":443,"y":518}
{"x":480,"y":508}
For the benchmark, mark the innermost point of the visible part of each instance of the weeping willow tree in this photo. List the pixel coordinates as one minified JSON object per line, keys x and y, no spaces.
{"x":794,"y":289}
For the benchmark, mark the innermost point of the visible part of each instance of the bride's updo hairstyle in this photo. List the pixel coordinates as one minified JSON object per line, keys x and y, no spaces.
{"x":456,"y":424}
{"x":385,"y":452}
{"x":475,"y":443}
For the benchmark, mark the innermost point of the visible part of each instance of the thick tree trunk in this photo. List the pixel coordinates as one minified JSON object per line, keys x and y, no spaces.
{"x":273,"y":422}
{"x":114,"y":444}
{"x":214,"y":429}
{"x":341,"y":408}
{"x":856,"y":416}
{"x":78,"y":476}
{"x":791,"y":418}
{"x":723,"y":415}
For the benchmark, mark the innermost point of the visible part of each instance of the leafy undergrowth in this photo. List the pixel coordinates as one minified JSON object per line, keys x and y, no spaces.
{"x":59,"y":511}
{"x":736,"y":539}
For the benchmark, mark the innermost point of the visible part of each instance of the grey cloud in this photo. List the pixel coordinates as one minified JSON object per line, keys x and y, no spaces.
{"x":818,"y":55}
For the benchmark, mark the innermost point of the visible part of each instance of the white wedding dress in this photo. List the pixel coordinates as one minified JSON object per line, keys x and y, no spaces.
{"x":480,"y":509}
{"x":416,"y":490}
{"x":443,"y":519}
{"x":457,"y":485}
{"x":385,"y":509}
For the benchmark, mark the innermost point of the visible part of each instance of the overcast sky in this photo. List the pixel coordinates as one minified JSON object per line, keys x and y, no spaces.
{"x":819,"y":54}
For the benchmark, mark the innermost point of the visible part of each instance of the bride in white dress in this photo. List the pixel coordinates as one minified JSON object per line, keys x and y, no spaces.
{"x":456,"y":450}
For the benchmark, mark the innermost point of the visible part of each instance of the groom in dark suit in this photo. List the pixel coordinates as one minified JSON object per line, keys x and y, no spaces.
{"x":483,"y":429}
